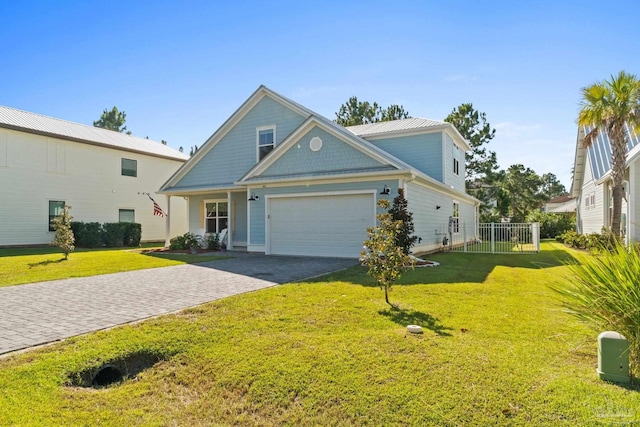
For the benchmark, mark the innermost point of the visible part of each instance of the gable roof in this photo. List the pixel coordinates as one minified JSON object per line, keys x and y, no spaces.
{"x":599,"y":153}
{"x":336,"y":130}
{"x":404,"y":127}
{"x":11,"y":118}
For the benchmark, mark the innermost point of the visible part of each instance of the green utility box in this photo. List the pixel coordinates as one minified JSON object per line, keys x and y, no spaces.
{"x":613,"y":357}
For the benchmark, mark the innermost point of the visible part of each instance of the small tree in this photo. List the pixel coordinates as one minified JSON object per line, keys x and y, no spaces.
{"x":382,"y":256}
{"x":404,"y":238}
{"x":64,"y":238}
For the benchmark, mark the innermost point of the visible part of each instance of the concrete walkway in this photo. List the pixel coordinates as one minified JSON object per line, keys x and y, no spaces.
{"x":39,"y":313}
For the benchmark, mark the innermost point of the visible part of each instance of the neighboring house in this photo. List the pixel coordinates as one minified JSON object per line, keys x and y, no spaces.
{"x":286,"y":181}
{"x":592,"y":186}
{"x":46,"y":163}
{"x":560,"y":204}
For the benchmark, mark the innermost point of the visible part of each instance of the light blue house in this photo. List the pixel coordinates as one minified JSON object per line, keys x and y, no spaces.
{"x":284,"y":180}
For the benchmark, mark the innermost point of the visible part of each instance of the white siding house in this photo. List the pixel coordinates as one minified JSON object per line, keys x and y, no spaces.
{"x":47,"y":162}
{"x":591,"y":186}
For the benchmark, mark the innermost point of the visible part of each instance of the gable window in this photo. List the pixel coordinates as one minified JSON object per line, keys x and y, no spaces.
{"x":266,"y":138}
{"x":456,"y":167}
{"x":129,"y":167}
{"x":216,"y":215}
{"x":126,"y":215}
{"x":455,"y":218}
{"x":55,"y":208}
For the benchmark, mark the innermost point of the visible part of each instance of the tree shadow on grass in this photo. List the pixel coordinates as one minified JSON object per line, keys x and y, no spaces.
{"x":412,"y":317}
{"x":47,"y":262}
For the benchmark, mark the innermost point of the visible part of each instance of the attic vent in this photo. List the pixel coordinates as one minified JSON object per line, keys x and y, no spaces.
{"x":315,"y":144}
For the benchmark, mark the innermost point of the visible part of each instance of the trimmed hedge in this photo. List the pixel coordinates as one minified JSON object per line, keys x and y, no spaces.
{"x":111,"y":234}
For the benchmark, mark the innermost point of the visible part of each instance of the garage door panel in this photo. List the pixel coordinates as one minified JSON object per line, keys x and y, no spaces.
{"x":320,"y":225}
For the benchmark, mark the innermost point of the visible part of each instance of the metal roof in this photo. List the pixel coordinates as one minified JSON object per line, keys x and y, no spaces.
{"x":394,"y":126}
{"x":12,"y":118}
{"x":600,"y":151}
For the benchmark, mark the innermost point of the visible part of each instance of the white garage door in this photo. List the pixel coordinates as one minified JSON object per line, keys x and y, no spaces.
{"x":329,"y":226}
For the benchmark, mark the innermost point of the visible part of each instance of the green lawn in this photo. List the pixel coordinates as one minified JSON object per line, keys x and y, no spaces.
{"x":496,"y":351}
{"x":28,"y":265}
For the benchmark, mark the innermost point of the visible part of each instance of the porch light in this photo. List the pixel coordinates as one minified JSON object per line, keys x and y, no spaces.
{"x":385,"y":190}
{"x":253,"y":197}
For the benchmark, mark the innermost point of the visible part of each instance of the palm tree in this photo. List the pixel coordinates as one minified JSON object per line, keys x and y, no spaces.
{"x":612,"y":106}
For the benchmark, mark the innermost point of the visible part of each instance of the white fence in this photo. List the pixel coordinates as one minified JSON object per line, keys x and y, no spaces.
{"x":495,"y":238}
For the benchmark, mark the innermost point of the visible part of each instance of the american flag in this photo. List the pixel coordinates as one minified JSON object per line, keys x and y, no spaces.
{"x":157,"y":210}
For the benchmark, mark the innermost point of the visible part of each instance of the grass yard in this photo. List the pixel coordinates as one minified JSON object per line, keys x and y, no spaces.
{"x":496,"y":351}
{"x":29,"y":265}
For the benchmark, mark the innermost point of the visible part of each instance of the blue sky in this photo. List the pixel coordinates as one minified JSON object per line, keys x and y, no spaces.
{"x":180,"y":69}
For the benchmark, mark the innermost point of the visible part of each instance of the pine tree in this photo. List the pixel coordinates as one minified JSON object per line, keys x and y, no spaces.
{"x":399,"y":212}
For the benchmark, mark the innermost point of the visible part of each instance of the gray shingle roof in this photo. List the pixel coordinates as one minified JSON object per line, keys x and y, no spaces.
{"x":12,"y":118}
{"x":394,"y":126}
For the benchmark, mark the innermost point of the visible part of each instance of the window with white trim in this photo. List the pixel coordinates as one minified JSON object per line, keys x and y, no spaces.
{"x":126,"y":215}
{"x":56,"y":207}
{"x":266,"y":140}
{"x":129,"y":167}
{"x":456,"y":167}
{"x":455,"y":218}
{"x":216,"y":215}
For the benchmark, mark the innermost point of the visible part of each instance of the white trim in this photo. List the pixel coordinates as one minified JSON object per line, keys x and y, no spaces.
{"x":256,"y":248}
{"x":631,"y":203}
{"x":363,"y":146}
{"x":204,"y":219}
{"x":269,"y":197}
{"x":230,"y":221}
{"x":275,"y":140}
{"x":247,"y":195}
{"x":328,"y":179}
{"x":229,"y":124}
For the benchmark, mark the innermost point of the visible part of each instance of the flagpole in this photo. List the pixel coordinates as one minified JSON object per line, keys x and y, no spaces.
{"x":167,"y":239}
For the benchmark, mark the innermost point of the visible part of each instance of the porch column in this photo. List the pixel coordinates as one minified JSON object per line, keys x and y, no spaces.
{"x":230,"y":221}
{"x":167,"y":222}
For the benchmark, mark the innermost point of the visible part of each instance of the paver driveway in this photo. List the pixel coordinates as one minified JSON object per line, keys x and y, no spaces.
{"x":42,"y":312}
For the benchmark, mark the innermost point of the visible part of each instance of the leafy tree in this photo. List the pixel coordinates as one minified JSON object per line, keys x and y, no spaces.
{"x":64,"y":238}
{"x":399,"y":212}
{"x":610,"y":106}
{"x":522,"y":186}
{"x":113,"y":120}
{"x":355,"y":112}
{"x":551,"y":186}
{"x":383,"y":257}
{"x":473,"y":126}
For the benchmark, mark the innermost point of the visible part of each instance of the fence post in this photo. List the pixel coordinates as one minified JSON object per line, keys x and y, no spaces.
{"x":464,"y":235}
{"x":536,"y":236}
{"x":493,"y":238}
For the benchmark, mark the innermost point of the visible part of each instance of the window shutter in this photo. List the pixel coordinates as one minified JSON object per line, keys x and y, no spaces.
{"x":202,"y":224}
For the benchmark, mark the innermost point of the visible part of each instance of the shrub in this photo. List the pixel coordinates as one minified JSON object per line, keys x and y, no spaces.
{"x":132,"y":234}
{"x":88,"y":234}
{"x":213,"y":241}
{"x":604,"y":291}
{"x":114,"y":234}
{"x":64,"y":238}
{"x":553,"y":225}
{"x":186,"y":241}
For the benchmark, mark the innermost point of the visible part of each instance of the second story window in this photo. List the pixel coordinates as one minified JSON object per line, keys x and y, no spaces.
{"x":266,"y":140}
{"x":456,"y":167}
{"x":129,"y":167}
